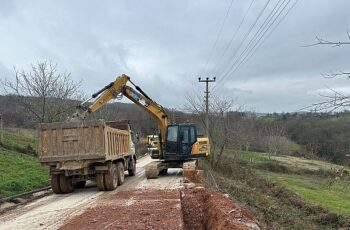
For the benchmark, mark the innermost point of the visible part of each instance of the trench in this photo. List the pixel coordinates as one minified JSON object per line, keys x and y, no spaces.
{"x":207,"y":209}
{"x":176,"y":209}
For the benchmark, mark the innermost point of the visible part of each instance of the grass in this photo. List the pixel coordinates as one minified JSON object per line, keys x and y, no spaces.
{"x":306,"y":177}
{"x":20,"y":173}
{"x":284,"y":192}
{"x":288,"y":161}
{"x":20,"y":170}
{"x":315,"y":190}
{"x":20,"y":140}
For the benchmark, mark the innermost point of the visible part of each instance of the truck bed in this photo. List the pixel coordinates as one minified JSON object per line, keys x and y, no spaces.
{"x":88,"y":140}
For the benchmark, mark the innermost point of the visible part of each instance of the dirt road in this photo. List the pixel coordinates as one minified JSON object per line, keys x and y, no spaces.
{"x":52,"y":211}
{"x":163,"y":203}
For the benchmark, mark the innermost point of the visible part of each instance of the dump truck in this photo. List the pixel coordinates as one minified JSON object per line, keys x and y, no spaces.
{"x":86,"y":150}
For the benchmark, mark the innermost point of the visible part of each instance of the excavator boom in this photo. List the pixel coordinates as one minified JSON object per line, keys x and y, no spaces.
{"x":120,"y":88}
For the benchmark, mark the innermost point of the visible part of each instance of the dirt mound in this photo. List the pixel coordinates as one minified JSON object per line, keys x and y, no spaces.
{"x":195,"y":176}
{"x":140,"y":209}
{"x":196,"y":209}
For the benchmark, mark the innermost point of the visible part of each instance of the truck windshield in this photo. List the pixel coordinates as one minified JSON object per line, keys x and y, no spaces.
{"x":172,"y":134}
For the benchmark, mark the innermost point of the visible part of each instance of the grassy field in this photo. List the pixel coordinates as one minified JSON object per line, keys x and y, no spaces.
{"x":307,"y":178}
{"x":315,"y":190}
{"x":20,"y":170}
{"x":284,"y":192}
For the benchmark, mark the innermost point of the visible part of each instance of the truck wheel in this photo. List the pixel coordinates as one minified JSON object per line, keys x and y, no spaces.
{"x":55,"y":183}
{"x":111,"y":178}
{"x":66,"y":184}
{"x":100,"y":182}
{"x":120,"y":170}
{"x":80,"y":184}
{"x":132,"y":167}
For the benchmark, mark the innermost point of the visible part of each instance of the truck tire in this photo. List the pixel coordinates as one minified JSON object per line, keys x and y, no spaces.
{"x":120,"y":170}
{"x":80,"y":184}
{"x":111,"y":178}
{"x":55,"y":183}
{"x":66,"y":184}
{"x":132,"y":167}
{"x":100,"y":182}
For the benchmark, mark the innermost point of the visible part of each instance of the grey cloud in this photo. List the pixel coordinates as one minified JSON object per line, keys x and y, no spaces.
{"x":164,"y":46}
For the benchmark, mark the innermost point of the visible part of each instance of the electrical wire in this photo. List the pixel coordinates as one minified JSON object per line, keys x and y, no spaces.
{"x":259,"y":40}
{"x":232,"y":37}
{"x":218,"y":35}
{"x":255,"y":37}
{"x":249,"y":30}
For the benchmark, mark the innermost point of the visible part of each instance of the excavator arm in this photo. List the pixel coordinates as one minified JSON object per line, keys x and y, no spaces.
{"x":120,"y":88}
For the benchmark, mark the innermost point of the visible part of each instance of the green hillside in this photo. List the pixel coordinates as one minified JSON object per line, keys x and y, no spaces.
{"x":284,"y":192}
{"x":20,"y":170}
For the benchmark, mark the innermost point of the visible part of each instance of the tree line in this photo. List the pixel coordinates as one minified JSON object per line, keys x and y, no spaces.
{"x":44,"y":94}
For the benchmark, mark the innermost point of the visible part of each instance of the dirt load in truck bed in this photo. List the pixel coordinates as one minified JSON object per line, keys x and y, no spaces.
{"x":195,"y":209}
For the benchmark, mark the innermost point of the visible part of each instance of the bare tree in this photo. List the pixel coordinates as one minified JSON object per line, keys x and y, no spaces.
{"x":275,"y":139}
{"x":218,"y":125}
{"x":321,"y":41}
{"x":335,"y":99}
{"x":43,"y":91}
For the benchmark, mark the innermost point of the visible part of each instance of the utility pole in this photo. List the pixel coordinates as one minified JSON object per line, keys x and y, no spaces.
{"x":173,"y":112}
{"x":1,"y":130}
{"x":207,"y":81}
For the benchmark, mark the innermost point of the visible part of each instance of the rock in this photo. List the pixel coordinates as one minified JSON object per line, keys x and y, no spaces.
{"x":189,"y":185}
{"x":18,"y":200}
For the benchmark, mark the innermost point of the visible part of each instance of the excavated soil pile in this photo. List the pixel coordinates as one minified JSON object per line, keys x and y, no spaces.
{"x":195,"y":176}
{"x":193,"y":209}
{"x":140,"y":209}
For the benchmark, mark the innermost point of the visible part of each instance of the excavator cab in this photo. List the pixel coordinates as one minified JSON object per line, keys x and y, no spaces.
{"x":179,"y":142}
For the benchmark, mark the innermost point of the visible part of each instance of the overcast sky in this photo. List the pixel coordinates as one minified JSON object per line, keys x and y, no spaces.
{"x":166,"y":45}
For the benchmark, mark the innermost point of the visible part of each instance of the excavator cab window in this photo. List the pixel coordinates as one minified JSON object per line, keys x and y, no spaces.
{"x":172,"y":139}
{"x":180,"y":138}
{"x":185,"y":139}
{"x":188,"y":138}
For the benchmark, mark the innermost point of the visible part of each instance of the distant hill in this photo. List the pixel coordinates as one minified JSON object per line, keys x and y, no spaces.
{"x":15,"y":115}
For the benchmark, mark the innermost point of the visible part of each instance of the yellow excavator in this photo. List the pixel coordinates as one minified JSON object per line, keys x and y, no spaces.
{"x":179,"y":146}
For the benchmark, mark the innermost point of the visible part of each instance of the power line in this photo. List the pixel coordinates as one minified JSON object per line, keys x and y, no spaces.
{"x":249,"y":30}
{"x":233,"y":36}
{"x":254,"y":38}
{"x":218,"y":35}
{"x":257,"y":44}
{"x":273,"y":29}
{"x":251,"y":50}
